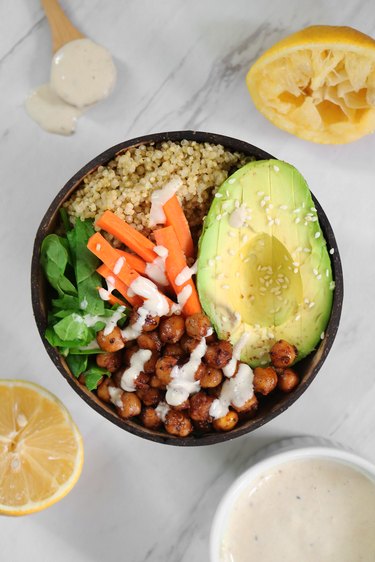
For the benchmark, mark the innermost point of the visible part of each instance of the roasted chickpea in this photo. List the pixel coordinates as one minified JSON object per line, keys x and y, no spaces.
{"x":209,"y":377}
{"x":265,"y":380}
{"x":155,"y":382}
{"x":288,"y":380}
{"x":110,"y":361}
{"x":202,"y":426}
{"x":149,"y":366}
{"x":227,"y":422}
{"x":174,"y":349}
{"x":150,"y":323}
{"x":111,"y":342}
{"x":177,"y":423}
{"x":250,"y":405}
{"x":102,"y":390}
{"x":131,"y":405}
{"x":197,"y":325}
{"x":142,"y":381}
{"x":188,"y":344}
{"x":171,"y":328}
{"x":150,"y":396}
{"x":128,"y":353}
{"x":283,"y":354}
{"x":219,"y":354}
{"x":184,"y":406}
{"x":81,"y":379}
{"x":200,"y":404}
{"x":116,"y":377}
{"x":163,"y":368}
{"x":149,"y":340}
{"x":150,"y":418}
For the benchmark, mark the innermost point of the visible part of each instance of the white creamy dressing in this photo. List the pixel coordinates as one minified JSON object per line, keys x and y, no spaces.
{"x":231,"y":367}
{"x":106,"y":293}
{"x":137,"y":362}
{"x":159,"y":197}
{"x":115,"y":396}
{"x":50,"y":112}
{"x":110,"y":322}
{"x":183,"y":382}
{"x":162,"y":410}
{"x":132,"y":331}
{"x":313,"y":510}
{"x":186,"y":274}
{"x":182,"y":298}
{"x":236,"y":390}
{"x":82,"y":73}
{"x":92,"y":345}
{"x":155,"y":270}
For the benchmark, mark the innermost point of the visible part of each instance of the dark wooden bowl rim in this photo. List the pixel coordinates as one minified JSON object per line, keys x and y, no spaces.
{"x":312,"y":363}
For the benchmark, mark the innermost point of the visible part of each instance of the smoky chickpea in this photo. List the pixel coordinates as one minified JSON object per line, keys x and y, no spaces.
{"x":150,"y":396}
{"x":142,"y":381}
{"x":128,"y":354}
{"x":211,"y":377}
{"x":288,"y":380}
{"x":265,"y":380}
{"x":174,"y":349}
{"x":171,"y":328}
{"x":150,"y":323}
{"x":283,"y":354}
{"x":102,"y":390}
{"x":227,"y":422}
{"x":150,"y":418}
{"x":218,"y":354}
{"x":131,"y":405}
{"x":149,"y":340}
{"x":163,"y":368}
{"x":184,"y":406}
{"x":178,"y":423}
{"x":197,"y":325}
{"x":200,"y":404}
{"x":250,"y":406}
{"x":188,"y":344}
{"x":149,"y":366}
{"x":109,"y":361}
{"x":110,"y":342}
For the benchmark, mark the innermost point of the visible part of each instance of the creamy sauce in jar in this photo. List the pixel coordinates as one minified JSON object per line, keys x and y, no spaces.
{"x":314,"y":510}
{"x":82,"y":73}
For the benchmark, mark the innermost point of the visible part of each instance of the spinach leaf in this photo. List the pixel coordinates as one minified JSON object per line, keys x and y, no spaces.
{"x":54,"y":259}
{"x":66,"y":302}
{"x":65,"y":219}
{"x":85,"y":265}
{"x":79,"y":351}
{"x":77,"y":364}
{"x":93,"y":376}
{"x":73,"y":328}
{"x":54,"y":340}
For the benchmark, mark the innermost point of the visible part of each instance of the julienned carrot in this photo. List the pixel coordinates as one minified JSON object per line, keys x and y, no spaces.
{"x":105,"y":272}
{"x":128,"y":235}
{"x":175,"y":217}
{"x":175,"y":263}
{"x":114,"y":300}
{"x":111,"y":257}
{"x":134,"y":261}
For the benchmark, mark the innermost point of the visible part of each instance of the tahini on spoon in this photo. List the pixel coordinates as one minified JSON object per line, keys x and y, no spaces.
{"x":62,"y":29}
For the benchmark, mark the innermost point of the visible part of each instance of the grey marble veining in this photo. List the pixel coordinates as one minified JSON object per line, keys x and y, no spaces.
{"x":181,"y":65}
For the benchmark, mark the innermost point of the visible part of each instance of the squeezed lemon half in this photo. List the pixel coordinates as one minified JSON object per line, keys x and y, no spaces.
{"x":41,"y":450}
{"x":318,"y":84}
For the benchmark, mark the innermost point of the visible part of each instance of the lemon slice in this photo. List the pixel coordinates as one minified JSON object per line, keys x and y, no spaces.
{"x":318,"y":84}
{"x":41,"y":450}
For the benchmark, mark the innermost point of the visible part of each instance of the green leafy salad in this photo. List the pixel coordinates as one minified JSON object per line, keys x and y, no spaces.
{"x":77,"y":311}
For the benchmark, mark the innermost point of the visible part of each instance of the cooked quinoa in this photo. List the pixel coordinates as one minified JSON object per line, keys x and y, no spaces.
{"x":125,"y":185}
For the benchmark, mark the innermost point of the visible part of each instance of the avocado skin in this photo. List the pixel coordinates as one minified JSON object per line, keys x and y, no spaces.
{"x":282,"y":233}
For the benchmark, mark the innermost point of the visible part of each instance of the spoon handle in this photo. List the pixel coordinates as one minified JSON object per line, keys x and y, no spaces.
{"x":62,"y":29}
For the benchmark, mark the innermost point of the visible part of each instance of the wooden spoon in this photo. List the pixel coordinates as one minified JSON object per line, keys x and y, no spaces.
{"x":62,"y":29}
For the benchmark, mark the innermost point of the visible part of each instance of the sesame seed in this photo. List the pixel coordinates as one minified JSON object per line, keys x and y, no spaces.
{"x":279,"y":299}
{"x":224,"y":318}
{"x":225,"y":287}
{"x":259,"y":267}
{"x":218,"y":195}
{"x":270,"y":222}
{"x":245,"y":238}
{"x":237,"y":274}
{"x":262,"y":280}
{"x":262,"y":203}
{"x":236,"y":203}
{"x":252,"y":298}
{"x":307,"y":250}
{"x":267,"y":198}
{"x":298,"y":210}
{"x":295,"y":263}
{"x":232,"y":234}
{"x":297,"y":220}
{"x":315,"y":271}
{"x":322,"y":336}
{"x":231,"y":180}
{"x":332,"y":251}
{"x":327,"y":272}
{"x":277,"y":221}
{"x":305,"y":223}
{"x":257,"y":326}
{"x":227,"y":192}
{"x":260,"y":193}
{"x":306,"y":301}
{"x":332,"y":285}
{"x":317,"y":235}
{"x":219,"y":217}
{"x":311,"y":305}
{"x":313,"y":209}
{"x":295,"y":270}
{"x":211,"y":262}
{"x":231,"y":252}
{"x":276,"y":168}
{"x":298,"y":317}
{"x":220,"y":276}
{"x":284,"y":286}
{"x":299,"y":249}
{"x":313,"y":219}
{"x":319,"y":276}
{"x":218,"y":258}
{"x":283,"y":207}
{"x":246,"y":260}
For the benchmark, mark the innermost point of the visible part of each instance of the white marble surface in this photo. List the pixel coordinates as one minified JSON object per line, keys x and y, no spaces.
{"x":181,"y":65}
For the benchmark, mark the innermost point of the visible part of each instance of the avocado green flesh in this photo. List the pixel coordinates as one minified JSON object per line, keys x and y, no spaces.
{"x":264,"y":268}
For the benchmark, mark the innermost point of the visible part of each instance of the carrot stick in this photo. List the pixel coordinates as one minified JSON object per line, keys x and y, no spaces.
{"x":111,"y":257}
{"x":128,"y":235}
{"x":105,"y":272}
{"x":134,"y":262}
{"x":175,"y":217}
{"x":175,"y":263}
{"x":114,"y":300}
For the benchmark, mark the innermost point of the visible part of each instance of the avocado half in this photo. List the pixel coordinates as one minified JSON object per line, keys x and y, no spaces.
{"x":263,"y":264}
